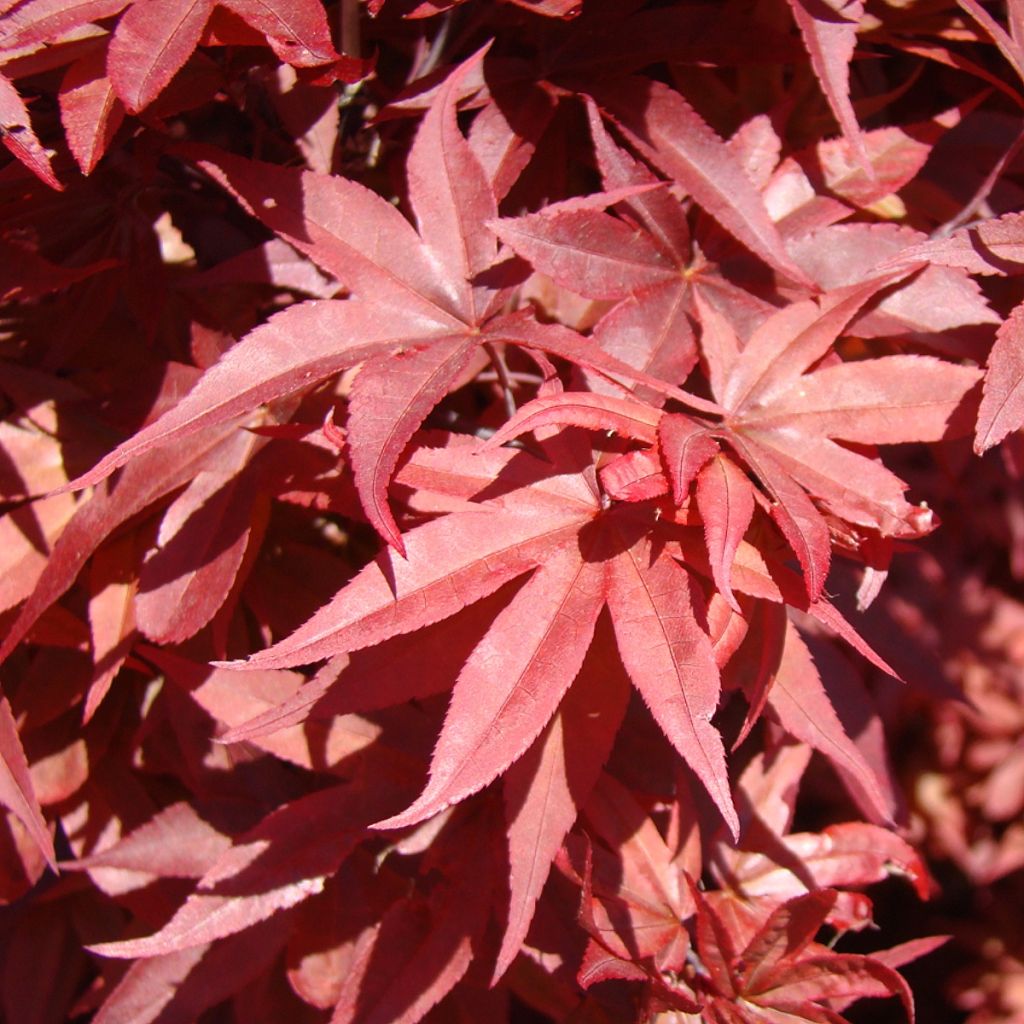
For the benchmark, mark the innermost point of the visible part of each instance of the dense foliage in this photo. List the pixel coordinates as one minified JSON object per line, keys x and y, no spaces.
{"x":470,"y":491}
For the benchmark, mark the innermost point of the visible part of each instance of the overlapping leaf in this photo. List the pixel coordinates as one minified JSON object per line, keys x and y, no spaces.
{"x":584,"y":559}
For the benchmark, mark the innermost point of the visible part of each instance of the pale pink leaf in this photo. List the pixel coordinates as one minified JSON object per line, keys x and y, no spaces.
{"x":907,"y":952}
{"x":505,"y":133}
{"x":389,"y":673}
{"x":659,"y":211}
{"x":725,"y":499}
{"x":836,"y":976}
{"x":851,"y":853}
{"x":390,"y":398}
{"x":545,"y":789}
{"x":645,"y":861}
{"x":507,"y":692}
{"x":805,"y":712}
{"x":177,"y":842}
{"x":759,"y":148}
{"x":634,"y":476}
{"x":670,"y":660}
{"x":451,"y":195}
{"x":829,"y":32}
{"x":850,"y":485}
{"x":896,"y":156}
{"x":992,"y":247}
{"x":801,"y":523}
{"x":587,"y":251}
{"x":1008,"y":46}
{"x":933,"y":299}
{"x":1002,"y":404}
{"x":35,"y":22}
{"x":673,"y":136}
{"x":651,"y":331}
{"x":789,"y":929}
{"x":557,"y":340}
{"x":889,"y":400}
{"x":686,"y":447}
{"x":346,"y":228}
{"x":720,"y":346}
{"x":793,"y":339}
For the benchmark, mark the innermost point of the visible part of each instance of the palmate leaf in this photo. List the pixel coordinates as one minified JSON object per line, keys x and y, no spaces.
{"x":781,"y":420}
{"x":623,"y":540}
{"x":415,"y":321}
{"x":584,"y":558}
{"x":664,"y":128}
{"x":781,"y":974}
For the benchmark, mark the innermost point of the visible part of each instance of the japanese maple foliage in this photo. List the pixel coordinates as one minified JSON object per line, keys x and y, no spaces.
{"x":466,"y":474}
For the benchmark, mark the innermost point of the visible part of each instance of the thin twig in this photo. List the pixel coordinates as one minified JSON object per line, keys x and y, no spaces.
{"x":498,"y":362}
{"x":437,"y":46}
{"x":982,"y":193}
{"x":349,"y":33}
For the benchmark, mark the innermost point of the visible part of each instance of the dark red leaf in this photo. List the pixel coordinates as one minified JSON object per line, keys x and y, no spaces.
{"x":89,"y":110}
{"x":19,"y":137}
{"x":152,"y":41}
{"x":16,"y":790}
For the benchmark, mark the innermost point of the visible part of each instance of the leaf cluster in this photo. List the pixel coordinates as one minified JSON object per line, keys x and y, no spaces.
{"x":452,"y":457}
